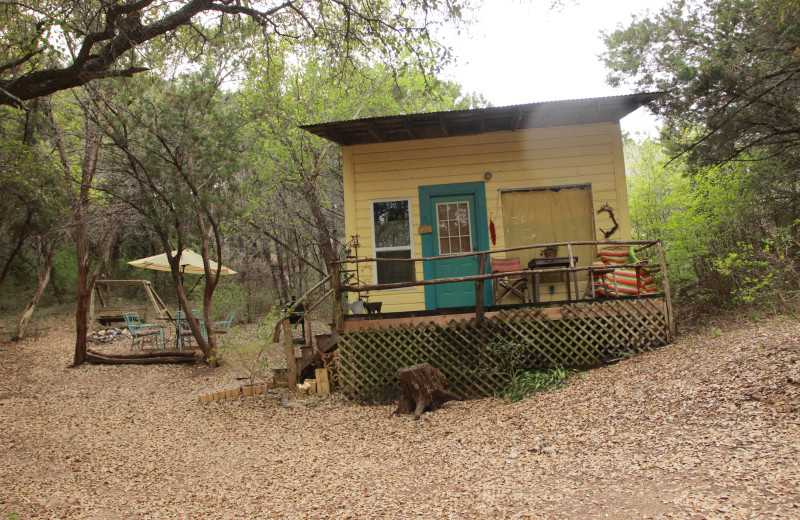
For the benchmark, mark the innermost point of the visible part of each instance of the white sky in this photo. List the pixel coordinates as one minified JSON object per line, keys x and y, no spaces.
{"x":522,"y":51}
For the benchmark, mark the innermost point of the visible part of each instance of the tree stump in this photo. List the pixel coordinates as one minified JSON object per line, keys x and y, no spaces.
{"x":423,"y":389}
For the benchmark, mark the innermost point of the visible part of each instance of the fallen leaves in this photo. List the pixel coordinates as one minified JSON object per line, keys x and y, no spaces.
{"x":704,"y":428}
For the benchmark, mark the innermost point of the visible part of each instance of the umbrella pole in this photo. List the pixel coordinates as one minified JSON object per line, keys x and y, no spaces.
{"x":183,"y":269}
{"x":195,"y":285}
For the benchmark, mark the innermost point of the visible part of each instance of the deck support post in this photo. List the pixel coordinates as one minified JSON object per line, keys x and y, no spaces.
{"x":667,"y":297}
{"x":288,"y":348}
{"x":479,"y":303}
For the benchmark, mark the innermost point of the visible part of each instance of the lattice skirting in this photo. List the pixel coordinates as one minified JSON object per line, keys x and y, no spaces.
{"x":476,"y":358}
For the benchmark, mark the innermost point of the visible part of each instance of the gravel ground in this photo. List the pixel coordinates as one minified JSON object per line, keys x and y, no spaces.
{"x":708,"y":427}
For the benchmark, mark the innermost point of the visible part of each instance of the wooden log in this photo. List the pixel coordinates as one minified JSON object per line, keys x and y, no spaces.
{"x":114,"y":360}
{"x":643,"y":243}
{"x":423,"y":389}
{"x":144,"y":355}
{"x":472,"y":278}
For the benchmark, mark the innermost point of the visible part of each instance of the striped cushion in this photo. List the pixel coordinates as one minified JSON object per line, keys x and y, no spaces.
{"x":623,"y":281}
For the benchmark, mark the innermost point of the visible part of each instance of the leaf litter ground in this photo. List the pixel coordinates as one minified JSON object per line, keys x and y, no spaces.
{"x":708,"y":427}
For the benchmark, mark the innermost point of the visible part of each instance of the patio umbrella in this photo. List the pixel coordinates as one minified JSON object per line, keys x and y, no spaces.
{"x":191,"y":263}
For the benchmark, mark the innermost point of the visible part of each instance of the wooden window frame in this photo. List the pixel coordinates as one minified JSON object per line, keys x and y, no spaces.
{"x":376,"y":250}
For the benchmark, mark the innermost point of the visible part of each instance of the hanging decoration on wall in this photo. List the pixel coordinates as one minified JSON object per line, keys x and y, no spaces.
{"x":492,"y":233}
{"x":610,"y":211}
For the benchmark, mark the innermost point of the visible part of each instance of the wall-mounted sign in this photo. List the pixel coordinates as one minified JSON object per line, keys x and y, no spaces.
{"x":425,"y":229}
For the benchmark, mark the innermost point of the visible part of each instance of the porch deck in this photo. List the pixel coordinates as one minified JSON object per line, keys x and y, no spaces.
{"x":479,"y":347}
{"x":478,"y":356}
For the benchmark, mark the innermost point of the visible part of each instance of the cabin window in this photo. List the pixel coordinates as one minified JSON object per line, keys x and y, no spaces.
{"x":391,"y":232}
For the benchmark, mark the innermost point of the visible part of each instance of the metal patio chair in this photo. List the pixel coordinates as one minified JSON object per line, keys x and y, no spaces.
{"x":221,"y":327}
{"x":144,"y":331}
{"x":185,"y":334}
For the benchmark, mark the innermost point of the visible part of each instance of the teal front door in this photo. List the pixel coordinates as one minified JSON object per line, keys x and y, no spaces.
{"x":457,"y":216}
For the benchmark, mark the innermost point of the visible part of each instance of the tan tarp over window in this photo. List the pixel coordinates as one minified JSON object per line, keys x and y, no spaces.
{"x":549,"y":215}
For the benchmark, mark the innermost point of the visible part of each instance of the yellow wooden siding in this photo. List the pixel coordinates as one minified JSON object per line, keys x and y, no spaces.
{"x":536,"y":158}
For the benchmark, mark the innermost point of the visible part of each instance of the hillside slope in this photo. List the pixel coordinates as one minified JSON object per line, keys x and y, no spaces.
{"x":708,"y":427}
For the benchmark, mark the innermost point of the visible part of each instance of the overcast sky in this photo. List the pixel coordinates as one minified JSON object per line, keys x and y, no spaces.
{"x":521,"y":51}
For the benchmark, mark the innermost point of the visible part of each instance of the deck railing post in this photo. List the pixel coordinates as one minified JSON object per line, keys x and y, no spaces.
{"x":479,"y":304}
{"x":309,"y":339}
{"x":572,"y":274}
{"x":338,"y":310}
{"x":667,"y":297}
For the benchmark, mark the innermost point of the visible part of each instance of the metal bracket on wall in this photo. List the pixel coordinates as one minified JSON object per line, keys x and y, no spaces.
{"x":610,"y":210}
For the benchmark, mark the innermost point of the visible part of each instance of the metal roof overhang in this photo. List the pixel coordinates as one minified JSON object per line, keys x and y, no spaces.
{"x":481,"y":120}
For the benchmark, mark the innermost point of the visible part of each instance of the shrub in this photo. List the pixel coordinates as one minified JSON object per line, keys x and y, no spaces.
{"x":525,"y":384}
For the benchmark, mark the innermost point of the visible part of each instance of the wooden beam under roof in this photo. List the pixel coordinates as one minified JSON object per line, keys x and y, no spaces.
{"x":376,"y":132}
{"x":517,"y":121}
{"x":408,"y":126}
{"x":443,"y":125}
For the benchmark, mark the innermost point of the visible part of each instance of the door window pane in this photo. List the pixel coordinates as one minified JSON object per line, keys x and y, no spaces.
{"x":453,"y":223}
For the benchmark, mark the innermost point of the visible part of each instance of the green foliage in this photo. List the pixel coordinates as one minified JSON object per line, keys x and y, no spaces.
{"x":766,"y":272}
{"x":727,"y":201}
{"x":249,"y":356}
{"x":508,"y":358}
{"x":294,"y":190}
{"x":728,"y":68}
{"x":9,"y":514}
{"x":64,"y":37}
{"x":525,"y":384}
{"x":722,"y":243}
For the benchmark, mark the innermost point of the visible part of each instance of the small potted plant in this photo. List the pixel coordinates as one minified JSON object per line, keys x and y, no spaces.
{"x":550,"y":252}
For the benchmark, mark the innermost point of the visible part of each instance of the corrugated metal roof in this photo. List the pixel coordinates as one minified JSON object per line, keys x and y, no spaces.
{"x":481,"y":120}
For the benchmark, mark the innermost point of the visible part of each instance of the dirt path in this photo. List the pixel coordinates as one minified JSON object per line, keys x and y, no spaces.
{"x":706,"y":428}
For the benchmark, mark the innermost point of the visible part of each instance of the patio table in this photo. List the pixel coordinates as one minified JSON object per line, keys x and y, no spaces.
{"x":559,"y":261}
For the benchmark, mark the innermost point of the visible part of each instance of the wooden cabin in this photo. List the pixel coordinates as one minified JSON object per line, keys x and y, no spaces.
{"x":471,"y":188}
{"x":425,"y":185}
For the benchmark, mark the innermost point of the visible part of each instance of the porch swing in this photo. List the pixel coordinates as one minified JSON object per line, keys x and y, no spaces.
{"x":108,"y":315}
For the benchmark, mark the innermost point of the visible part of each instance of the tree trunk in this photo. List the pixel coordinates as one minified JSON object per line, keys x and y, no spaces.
{"x":81,"y":207}
{"x":44,"y":264}
{"x":323,"y":230}
{"x":423,"y":389}
{"x":58,"y":292}
{"x":23,"y":234}
{"x":81,"y":317}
